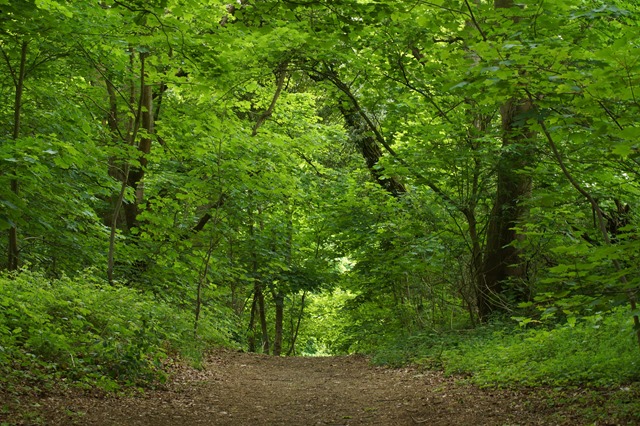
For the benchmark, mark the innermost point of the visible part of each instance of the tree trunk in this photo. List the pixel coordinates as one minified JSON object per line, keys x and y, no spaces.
{"x":277,"y":340}
{"x":252,"y":321}
{"x":294,"y":337}
{"x":132,"y":134}
{"x":201,"y":283}
{"x":13,"y":251}
{"x":136,"y":174}
{"x":503,"y":271}
{"x":370,"y":150}
{"x":263,"y":319}
{"x":503,"y":268}
{"x":364,"y":133}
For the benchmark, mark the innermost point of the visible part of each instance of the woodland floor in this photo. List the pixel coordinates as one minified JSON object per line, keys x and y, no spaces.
{"x":243,"y":389}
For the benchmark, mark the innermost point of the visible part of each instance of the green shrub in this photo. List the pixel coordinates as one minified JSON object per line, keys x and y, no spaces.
{"x":83,"y":330}
{"x":596,"y":350}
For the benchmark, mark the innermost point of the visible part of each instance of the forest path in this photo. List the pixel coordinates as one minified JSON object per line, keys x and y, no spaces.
{"x":244,"y":389}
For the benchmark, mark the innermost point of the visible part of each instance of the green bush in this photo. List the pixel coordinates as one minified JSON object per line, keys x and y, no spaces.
{"x":85,"y":331}
{"x":597,"y":350}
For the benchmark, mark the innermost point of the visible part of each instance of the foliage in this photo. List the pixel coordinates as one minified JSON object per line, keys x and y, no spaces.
{"x":82,"y":331}
{"x":364,"y":178}
{"x":597,"y":350}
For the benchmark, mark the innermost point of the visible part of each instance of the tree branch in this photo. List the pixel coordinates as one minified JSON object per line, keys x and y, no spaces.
{"x":281,"y":74}
{"x":475,"y":22}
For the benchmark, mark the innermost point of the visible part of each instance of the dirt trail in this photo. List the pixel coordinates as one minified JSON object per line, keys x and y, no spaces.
{"x":242,"y":389}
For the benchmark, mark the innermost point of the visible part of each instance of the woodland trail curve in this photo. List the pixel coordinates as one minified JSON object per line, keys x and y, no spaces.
{"x":244,"y":389}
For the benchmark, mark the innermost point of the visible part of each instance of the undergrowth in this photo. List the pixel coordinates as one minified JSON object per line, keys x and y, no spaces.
{"x":596,"y":358}
{"x":84,"y":332}
{"x":597,"y":350}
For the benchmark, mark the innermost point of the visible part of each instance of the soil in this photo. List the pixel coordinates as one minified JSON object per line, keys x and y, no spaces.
{"x":247,"y":389}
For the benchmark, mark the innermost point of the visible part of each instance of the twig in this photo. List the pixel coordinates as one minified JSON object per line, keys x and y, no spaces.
{"x":475,"y":23}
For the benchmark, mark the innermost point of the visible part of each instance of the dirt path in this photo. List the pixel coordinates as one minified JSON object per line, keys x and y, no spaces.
{"x":242,"y":389}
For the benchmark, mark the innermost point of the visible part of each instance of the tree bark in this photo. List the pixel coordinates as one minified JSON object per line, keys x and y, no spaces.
{"x":136,"y":174}
{"x":370,"y":150}
{"x":132,"y":134}
{"x":13,"y":251}
{"x":201,"y":284}
{"x":266,"y":346}
{"x":502,"y":261}
{"x":277,"y":340}
{"x":258,"y":290}
{"x":252,"y":322}
{"x":294,"y":337}
{"x":503,"y":271}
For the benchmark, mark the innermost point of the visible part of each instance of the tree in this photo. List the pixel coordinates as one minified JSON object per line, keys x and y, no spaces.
{"x":432,"y":160}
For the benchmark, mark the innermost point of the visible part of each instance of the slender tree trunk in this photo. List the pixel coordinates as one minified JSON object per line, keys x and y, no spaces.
{"x":237,"y":302}
{"x":292,"y":349}
{"x":258,"y":301}
{"x":258,"y":286}
{"x":136,"y":174}
{"x":266,"y":345}
{"x":132,"y":134}
{"x":252,"y":324}
{"x":281,"y":75}
{"x":475,"y":266}
{"x":278,"y":295}
{"x":277,"y":340}
{"x":13,"y":251}
{"x":201,"y":283}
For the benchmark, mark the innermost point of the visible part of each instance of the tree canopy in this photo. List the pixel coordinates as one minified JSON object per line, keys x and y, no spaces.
{"x":322,"y":176}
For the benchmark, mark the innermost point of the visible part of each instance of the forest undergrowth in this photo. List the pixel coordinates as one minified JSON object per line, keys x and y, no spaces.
{"x":85,"y":333}
{"x":597,"y":355}
{"x":596,"y":350}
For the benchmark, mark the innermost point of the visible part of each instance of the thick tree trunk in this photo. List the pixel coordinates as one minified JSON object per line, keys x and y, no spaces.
{"x":502,"y":266}
{"x":361,"y":136}
{"x":503,"y":271}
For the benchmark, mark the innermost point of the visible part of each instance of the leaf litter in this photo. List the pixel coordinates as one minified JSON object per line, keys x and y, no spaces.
{"x":238,"y":389}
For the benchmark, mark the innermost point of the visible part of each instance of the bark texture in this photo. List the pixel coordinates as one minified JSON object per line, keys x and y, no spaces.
{"x":503,"y":269}
{"x":361,"y":136}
